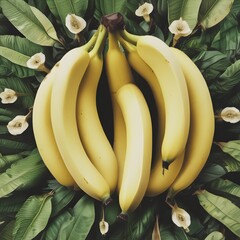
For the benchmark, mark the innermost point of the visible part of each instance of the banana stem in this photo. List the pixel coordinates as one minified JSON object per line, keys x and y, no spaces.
{"x":92,"y":40}
{"x":129,"y":37}
{"x":128,"y":46}
{"x":99,"y":43}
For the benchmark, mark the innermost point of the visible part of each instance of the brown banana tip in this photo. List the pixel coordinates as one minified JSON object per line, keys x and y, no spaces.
{"x":108,"y":201}
{"x":165,"y":165}
{"x":123,"y":217}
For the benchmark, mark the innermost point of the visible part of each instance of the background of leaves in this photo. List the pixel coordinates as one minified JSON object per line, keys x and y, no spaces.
{"x":33,"y":205}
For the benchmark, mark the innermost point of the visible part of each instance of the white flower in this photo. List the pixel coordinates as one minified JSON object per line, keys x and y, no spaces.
{"x":18,"y":125}
{"x":8,"y":96}
{"x":230,"y":114}
{"x":144,"y":11}
{"x":180,"y":217}
{"x":74,"y":23}
{"x":103,"y":226}
{"x":179,"y":28}
{"x":36,"y":61}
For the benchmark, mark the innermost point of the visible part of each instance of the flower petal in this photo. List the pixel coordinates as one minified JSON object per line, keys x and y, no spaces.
{"x":103,"y":226}
{"x":144,"y":9}
{"x":180,"y":28}
{"x":36,"y":61}
{"x":18,"y":125}
{"x":8,"y":96}
{"x":180,"y":217}
{"x":230,"y":114}
{"x":74,"y":23}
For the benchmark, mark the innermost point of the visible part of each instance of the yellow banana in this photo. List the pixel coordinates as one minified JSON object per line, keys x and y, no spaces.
{"x":202,"y":124}
{"x":43,"y":133}
{"x":158,"y":181}
{"x":63,"y":113}
{"x":163,"y":63}
{"x":118,"y":73}
{"x":93,"y":137}
{"x":137,"y":163}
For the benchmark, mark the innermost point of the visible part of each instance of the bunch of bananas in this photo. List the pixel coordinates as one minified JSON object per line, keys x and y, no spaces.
{"x":70,"y":136}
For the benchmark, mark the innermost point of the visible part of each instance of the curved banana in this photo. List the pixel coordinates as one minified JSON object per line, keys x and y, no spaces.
{"x":63,"y":113}
{"x":118,"y":73}
{"x":202,"y":124}
{"x":162,"y":61}
{"x":91,"y":132}
{"x":158,"y":182}
{"x":43,"y":132}
{"x":137,"y":163}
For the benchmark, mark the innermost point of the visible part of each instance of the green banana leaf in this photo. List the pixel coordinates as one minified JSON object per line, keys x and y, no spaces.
{"x":7,"y":160}
{"x":79,"y":225}
{"x":225,"y":188}
{"x":52,"y":229}
{"x":61,"y":198}
{"x":7,"y":114}
{"x":14,"y":56}
{"x":7,"y":68}
{"x":213,"y":11}
{"x":228,"y":80}
{"x":3,"y":129}
{"x":33,"y":217}
{"x":187,"y":9}
{"x":212,"y":64}
{"x":104,"y":7}
{"x":234,"y":100}
{"x":139,"y":224}
{"x":6,"y":233}
{"x":11,"y":205}
{"x":5,"y":119}
{"x":173,"y":233}
{"x":19,"y":13}
{"x":22,"y":174}
{"x":215,"y":236}
{"x":8,"y":146}
{"x":227,"y":38}
{"x":231,"y":147}
{"x":17,"y":49}
{"x":218,"y":165}
{"x":222,"y":209}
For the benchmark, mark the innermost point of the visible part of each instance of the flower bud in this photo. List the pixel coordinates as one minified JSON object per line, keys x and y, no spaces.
{"x":8,"y":96}
{"x":74,"y":23}
{"x":144,"y":11}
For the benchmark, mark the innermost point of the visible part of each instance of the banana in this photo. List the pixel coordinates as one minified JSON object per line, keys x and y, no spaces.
{"x":118,"y":73}
{"x":201,"y":128}
{"x":64,"y":121}
{"x":158,"y":182}
{"x":158,"y":56}
{"x":43,"y":133}
{"x":94,"y":140}
{"x":137,"y":163}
